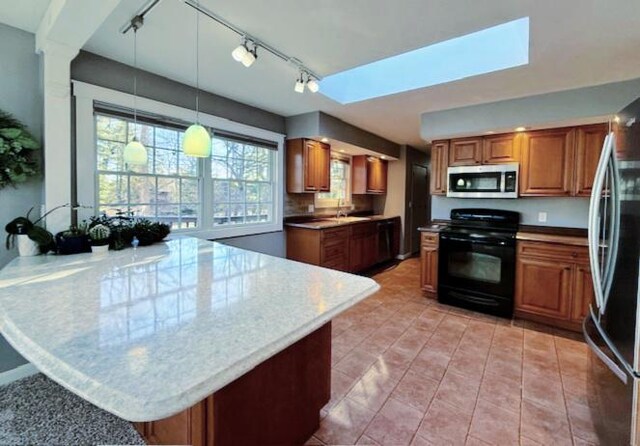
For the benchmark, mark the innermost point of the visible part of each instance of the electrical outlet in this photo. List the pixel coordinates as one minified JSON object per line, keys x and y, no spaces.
{"x":311,"y":208}
{"x":353,"y":207}
{"x":542,"y":217}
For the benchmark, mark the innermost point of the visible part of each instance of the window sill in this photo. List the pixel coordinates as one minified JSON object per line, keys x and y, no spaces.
{"x":230,"y":231}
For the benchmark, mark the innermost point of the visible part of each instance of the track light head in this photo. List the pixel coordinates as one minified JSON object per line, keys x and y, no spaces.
{"x":299,"y":87}
{"x":249,"y":57}
{"x":239,"y":53}
{"x":313,"y":85}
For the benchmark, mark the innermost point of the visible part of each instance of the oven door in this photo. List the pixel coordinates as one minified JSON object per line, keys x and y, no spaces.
{"x":483,"y":265}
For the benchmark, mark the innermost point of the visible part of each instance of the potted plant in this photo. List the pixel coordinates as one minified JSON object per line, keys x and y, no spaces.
{"x":17,"y":152}
{"x":30,"y":238}
{"x":73,"y":241}
{"x":99,"y":236}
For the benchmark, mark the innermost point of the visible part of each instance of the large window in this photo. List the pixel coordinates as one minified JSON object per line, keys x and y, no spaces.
{"x":235,"y":187}
{"x":242,"y":175}
{"x":340,"y":193}
{"x":166,"y":189}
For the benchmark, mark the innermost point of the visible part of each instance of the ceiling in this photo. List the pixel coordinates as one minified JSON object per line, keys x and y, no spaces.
{"x":573,"y":43}
{"x":25,"y":14}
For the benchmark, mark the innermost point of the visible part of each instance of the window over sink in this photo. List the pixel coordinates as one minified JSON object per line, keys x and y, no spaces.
{"x":340,"y":193}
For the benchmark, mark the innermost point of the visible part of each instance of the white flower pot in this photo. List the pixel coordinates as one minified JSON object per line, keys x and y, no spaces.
{"x":99,"y":249}
{"x":26,"y":246}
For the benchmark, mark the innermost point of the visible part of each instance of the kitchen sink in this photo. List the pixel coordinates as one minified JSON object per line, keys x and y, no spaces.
{"x":346,"y":219}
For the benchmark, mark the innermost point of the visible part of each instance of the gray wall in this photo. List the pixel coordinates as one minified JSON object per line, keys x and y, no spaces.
{"x":564,"y":212}
{"x":556,"y":109}
{"x":93,"y":69}
{"x":272,"y":243}
{"x":20,"y":95}
{"x":315,"y":124}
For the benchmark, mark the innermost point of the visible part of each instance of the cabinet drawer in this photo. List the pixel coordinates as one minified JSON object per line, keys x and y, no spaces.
{"x":337,"y":263}
{"x":430,"y":238}
{"x":577,"y":254}
{"x":335,"y":235}
{"x":363,"y":229}
{"x":334,"y":251}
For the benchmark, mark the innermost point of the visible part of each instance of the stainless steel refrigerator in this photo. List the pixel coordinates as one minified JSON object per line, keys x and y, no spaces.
{"x":612,"y":330}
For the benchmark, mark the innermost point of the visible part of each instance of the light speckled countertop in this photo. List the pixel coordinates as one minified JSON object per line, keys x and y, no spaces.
{"x":147,"y":333}
{"x":333,"y":222}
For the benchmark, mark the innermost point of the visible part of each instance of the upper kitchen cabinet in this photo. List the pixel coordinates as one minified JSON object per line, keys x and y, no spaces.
{"x":589,"y":141}
{"x":547,"y":163}
{"x":439,"y":164}
{"x":500,"y":149}
{"x":465,"y":152}
{"x":369,"y":175}
{"x":308,"y":166}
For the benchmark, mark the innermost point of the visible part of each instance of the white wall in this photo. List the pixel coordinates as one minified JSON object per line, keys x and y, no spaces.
{"x":395,"y":200}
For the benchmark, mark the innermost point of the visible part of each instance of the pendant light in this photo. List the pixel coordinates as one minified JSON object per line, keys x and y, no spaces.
{"x":197,"y":141}
{"x":134,"y":152}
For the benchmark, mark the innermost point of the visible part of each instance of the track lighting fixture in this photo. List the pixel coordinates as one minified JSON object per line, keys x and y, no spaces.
{"x":244,"y":55}
{"x":312,"y":84}
{"x":299,"y":87}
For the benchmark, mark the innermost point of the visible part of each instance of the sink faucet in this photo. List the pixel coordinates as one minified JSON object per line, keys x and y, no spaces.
{"x":340,"y":212}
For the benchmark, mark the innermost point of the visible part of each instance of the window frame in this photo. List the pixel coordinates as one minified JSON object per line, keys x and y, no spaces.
{"x":323,"y":203}
{"x":86,"y":95}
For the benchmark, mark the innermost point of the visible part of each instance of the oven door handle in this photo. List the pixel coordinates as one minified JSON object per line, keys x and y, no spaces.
{"x":475,"y":241}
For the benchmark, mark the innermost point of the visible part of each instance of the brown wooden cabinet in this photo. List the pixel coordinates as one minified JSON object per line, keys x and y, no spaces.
{"x":349,"y":247}
{"x":465,"y":152}
{"x":429,"y":263}
{"x":553,"y":283}
{"x":439,"y":164}
{"x":362,"y":246}
{"x":589,"y":141}
{"x":499,"y":149}
{"x":547,"y":163}
{"x":308,"y":166}
{"x":368,"y":175}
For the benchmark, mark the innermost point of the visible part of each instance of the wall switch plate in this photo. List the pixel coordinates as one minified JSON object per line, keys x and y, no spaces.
{"x":311,"y":208}
{"x":542,"y":217}
{"x":353,"y":207}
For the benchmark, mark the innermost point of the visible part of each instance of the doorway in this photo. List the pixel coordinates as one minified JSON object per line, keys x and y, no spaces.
{"x":419,"y":212}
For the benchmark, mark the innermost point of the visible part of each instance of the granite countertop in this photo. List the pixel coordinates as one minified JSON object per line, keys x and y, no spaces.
{"x":147,"y":333}
{"x":333,"y":222}
{"x":567,"y":236}
{"x":434,"y":226}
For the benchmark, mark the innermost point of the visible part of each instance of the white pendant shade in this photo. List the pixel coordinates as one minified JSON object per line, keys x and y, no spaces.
{"x":135,"y":153}
{"x":196,"y":142}
{"x":299,"y":87}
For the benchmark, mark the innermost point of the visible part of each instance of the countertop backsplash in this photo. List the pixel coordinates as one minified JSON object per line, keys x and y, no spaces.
{"x":298,"y":204}
{"x":562,"y":212}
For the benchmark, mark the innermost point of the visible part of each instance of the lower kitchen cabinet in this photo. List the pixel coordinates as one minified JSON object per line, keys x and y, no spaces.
{"x":553,"y":283}
{"x":349,"y":247}
{"x":429,"y":263}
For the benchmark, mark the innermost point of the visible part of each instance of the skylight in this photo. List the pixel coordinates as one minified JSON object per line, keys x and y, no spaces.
{"x":491,"y":49}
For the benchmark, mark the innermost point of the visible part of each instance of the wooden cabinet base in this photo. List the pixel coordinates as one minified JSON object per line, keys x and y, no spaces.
{"x":550,"y":321}
{"x":278,"y":402}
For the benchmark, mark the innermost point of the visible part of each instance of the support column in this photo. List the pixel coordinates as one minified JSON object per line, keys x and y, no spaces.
{"x":56,"y":66}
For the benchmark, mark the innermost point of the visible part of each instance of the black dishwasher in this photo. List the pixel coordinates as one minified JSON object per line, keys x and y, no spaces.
{"x":385,"y":240}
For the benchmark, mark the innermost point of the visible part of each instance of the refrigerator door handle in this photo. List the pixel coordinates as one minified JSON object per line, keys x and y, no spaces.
{"x":593,"y":226}
{"x":610,"y":363}
{"x":614,"y":229}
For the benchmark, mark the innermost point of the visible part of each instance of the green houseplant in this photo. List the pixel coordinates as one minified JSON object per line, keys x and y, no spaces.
{"x":99,"y":236}
{"x":30,"y":238}
{"x":17,"y":148}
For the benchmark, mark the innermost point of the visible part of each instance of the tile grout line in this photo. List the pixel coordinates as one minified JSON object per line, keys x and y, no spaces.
{"x":564,"y":395}
{"x":404,"y":374}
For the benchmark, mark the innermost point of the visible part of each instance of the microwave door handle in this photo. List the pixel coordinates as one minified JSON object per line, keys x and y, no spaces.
{"x":503,"y":185}
{"x":593,"y":226}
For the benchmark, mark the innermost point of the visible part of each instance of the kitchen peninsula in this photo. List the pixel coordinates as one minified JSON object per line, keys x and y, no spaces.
{"x":220,"y":344}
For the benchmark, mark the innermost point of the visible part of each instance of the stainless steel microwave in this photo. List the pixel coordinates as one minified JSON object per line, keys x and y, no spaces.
{"x":490,"y":181}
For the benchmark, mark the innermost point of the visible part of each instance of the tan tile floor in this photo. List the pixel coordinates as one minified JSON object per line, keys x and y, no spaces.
{"x":407,"y":370}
